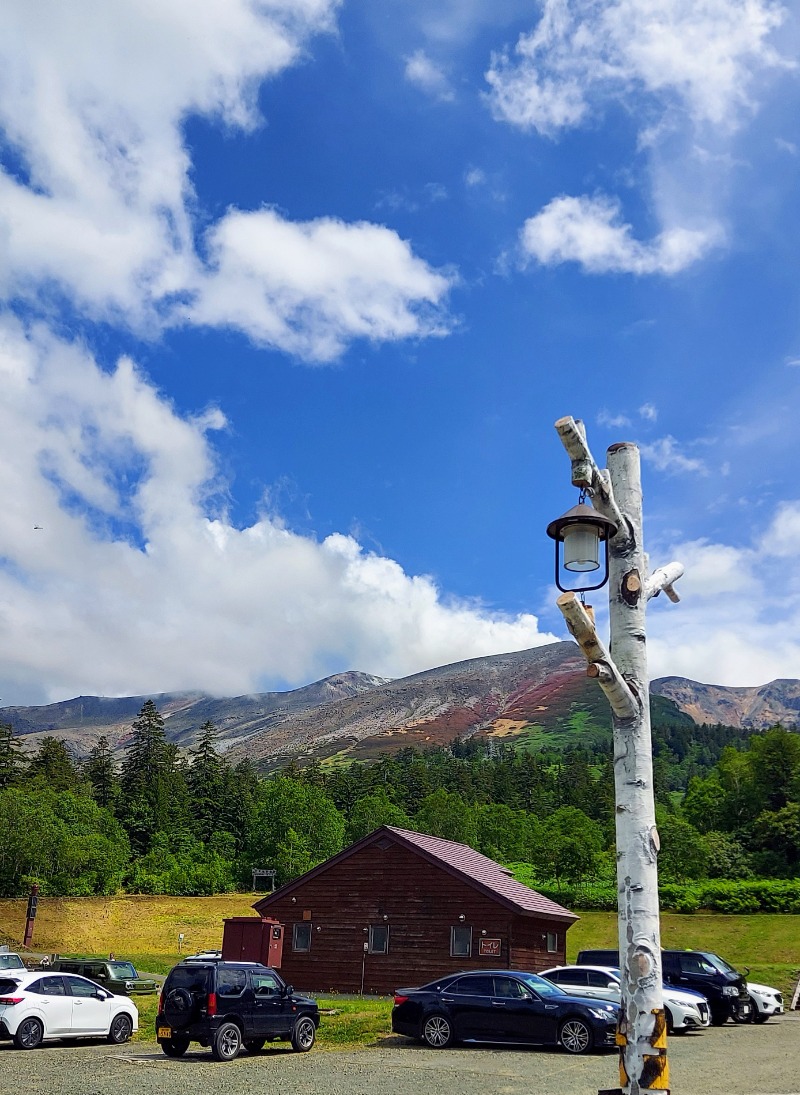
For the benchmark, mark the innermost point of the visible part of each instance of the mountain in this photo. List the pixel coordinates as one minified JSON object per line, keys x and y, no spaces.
{"x":531,"y":698}
{"x":81,"y":721}
{"x":753,"y":708}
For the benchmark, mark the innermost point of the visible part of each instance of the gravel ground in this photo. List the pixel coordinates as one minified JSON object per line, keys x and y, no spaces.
{"x":729,"y":1060}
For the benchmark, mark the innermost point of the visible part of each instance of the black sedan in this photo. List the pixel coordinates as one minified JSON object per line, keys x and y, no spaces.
{"x":502,"y":1006}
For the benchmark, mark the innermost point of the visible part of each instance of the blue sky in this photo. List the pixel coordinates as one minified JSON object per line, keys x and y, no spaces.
{"x":294,"y":291}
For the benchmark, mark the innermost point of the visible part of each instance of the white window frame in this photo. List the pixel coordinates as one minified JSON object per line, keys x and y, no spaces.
{"x":552,"y":942}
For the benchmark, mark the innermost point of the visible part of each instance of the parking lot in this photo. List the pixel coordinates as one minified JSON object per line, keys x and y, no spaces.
{"x":729,"y":1060}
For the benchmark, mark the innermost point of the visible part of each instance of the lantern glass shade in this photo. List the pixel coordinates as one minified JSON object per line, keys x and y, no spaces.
{"x":581,"y":547}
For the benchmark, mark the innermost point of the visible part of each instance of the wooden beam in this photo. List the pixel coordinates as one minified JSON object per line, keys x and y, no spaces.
{"x":663,"y":578}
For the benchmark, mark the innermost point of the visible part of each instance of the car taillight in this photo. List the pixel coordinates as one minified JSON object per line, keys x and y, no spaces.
{"x":161,"y":1002}
{"x":212,"y":1003}
{"x":398,"y":999}
{"x":11,"y":999}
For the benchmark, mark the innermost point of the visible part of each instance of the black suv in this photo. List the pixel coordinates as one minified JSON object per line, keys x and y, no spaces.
{"x":227,"y":1005}
{"x":701,"y":971}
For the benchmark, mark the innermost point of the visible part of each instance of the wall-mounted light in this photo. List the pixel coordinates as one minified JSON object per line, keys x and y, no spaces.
{"x":461,"y":917}
{"x":294,"y":900}
{"x":319,"y":929}
{"x":483,"y":931}
{"x":385,"y":916}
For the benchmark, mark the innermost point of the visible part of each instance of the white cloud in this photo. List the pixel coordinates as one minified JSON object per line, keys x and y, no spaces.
{"x":688,"y":73}
{"x":699,"y":55}
{"x":665,"y":455}
{"x":590,"y":231}
{"x":649,"y":412}
{"x":99,"y":205}
{"x":738,"y":621}
{"x":428,"y":76}
{"x":309,"y":288}
{"x":613,"y":421}
{"x":137,"y":581}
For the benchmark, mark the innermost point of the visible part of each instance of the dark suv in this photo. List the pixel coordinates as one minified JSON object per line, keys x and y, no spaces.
{"x":701,"y":971}
{"x":227,"y":1005}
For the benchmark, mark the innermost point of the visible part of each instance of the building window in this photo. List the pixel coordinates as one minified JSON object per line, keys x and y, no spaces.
{"x":552,"y":942}
{"x":460,"y":942}
{"x":379,"y":939}
{"x":301,"y":936}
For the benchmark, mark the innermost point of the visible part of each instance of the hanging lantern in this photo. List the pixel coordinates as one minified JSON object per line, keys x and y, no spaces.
{"x":581,"y":530}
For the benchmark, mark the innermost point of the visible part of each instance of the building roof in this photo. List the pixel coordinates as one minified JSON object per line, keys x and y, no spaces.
{"x":457,"y":859}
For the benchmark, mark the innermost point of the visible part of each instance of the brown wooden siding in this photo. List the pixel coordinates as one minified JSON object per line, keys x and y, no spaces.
{"x":420,"y":903}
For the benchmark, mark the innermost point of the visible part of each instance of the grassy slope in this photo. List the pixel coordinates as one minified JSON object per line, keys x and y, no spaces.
{"x":145,"y":929}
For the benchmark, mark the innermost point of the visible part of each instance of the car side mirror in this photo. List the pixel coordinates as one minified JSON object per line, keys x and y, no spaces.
{"x":288,"y":990}
{"x":101,"y":994}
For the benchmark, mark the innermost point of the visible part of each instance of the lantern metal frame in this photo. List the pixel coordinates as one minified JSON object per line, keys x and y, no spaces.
{"x":581,"y":515}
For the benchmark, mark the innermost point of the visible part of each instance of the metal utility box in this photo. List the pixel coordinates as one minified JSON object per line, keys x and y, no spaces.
{"x":253,"y":939}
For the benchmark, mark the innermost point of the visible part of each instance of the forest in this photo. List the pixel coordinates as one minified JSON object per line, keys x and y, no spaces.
{"x":164,"y":822}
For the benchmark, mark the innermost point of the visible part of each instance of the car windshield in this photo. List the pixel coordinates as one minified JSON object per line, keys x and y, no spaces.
{"x":122,"y":969}
{"x":10,"y":962}
{"x":540,"y":985}
{"x":718,"y":963}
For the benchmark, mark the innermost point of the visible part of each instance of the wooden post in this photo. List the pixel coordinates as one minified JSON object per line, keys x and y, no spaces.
{"x":622,"y":673}
{"x":643,"y":1053}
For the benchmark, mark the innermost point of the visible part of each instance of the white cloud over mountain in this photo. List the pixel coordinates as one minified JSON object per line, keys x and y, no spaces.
{"x":136,"y":580}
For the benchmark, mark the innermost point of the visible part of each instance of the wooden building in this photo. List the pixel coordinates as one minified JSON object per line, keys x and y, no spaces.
{"x":401,"y":908}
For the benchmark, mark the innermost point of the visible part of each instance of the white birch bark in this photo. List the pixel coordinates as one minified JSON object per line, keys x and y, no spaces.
{"x":644,"y":1064}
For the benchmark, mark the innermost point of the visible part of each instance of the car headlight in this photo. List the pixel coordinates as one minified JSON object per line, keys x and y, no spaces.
{"x":730,"y":990}
{"x":602,"y":1013}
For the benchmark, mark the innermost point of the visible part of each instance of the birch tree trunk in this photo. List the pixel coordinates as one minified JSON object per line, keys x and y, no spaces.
{"x":643,"y":1056}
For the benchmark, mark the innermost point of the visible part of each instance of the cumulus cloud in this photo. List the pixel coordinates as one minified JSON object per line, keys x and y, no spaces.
{"x":738,"y":621}
{"x":687,"y":73}
{"x":666,"y":455}
{"x":424,"y":73}
{"x":590,"y":231}
{"x":700,"y":56}
{"x":138,"y":582}
{"x":310,"y":288}
{"x":96,"y":201}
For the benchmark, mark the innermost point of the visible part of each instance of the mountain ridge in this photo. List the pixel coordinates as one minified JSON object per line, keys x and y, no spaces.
{"x":527,"y":698}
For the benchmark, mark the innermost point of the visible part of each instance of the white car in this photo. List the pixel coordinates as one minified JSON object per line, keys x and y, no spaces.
{"x":764,"y":1002}
{"x":685,"y":1009}
{"x":35,"y":1007}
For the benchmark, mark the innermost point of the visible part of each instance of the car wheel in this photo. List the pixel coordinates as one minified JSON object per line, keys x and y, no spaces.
{"x":121,"y":1029}
{"x":175,"y":1047}
{"x":227,"y":1042}
{"x":304,"y":1034}
{"x":253,"y":1045}
{"x":437,"y":1032}
{"x":29,"y":1034}
{"x":575,"y":1036}
{"x":757,"y":1016}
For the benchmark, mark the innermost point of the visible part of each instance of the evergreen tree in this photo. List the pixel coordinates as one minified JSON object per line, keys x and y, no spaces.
{"x":101,"y":773}
{"x":153,"y":797}
{"x":53,"y":765}
{"x":12,"y":758}
{"x":206,"y":783}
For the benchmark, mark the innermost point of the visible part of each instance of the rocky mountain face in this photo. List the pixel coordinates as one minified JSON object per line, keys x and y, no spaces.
{"x":755,"y":708}
{"x":521,"y":697}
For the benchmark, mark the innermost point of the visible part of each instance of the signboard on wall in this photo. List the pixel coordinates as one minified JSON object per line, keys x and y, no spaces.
{"x":489,"y":947}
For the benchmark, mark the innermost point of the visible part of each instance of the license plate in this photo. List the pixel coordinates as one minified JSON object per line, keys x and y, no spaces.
{"x":164,"y":1032}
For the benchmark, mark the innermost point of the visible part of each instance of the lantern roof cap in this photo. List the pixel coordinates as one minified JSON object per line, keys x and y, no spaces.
{"x":582,"y":514}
